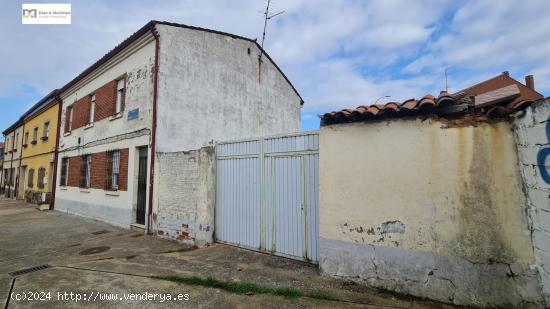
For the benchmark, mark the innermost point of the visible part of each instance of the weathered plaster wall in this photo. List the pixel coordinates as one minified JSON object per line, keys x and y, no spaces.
{"x":186,"y":195}
{"x":426,"y":207}
{"x":208,"y":90}
{"x":111,"y":133}
{"x":533,"y":136}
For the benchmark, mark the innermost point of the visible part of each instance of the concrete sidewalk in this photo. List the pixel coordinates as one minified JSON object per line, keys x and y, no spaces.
{"x":32,"y":238}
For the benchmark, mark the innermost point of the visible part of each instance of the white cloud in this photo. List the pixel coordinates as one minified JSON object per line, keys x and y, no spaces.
{"x":338,"y":53}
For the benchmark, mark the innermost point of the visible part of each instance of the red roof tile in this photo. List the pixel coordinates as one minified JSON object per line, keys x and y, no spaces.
{"x":495,"y":95}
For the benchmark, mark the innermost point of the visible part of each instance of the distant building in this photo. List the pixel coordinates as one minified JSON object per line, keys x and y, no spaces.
{"x":12,"y":154}
{"x":1,"y":168}
{"x":39,"y":145}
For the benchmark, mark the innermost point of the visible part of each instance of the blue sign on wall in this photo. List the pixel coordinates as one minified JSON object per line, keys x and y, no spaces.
{"x":543,"y":156}
{"x":133,"y":114}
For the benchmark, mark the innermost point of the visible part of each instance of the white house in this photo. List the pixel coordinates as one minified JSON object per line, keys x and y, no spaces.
{"x":138,"y":125}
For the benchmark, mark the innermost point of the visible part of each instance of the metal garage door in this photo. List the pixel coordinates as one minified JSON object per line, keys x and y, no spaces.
{"x":267,"y":195}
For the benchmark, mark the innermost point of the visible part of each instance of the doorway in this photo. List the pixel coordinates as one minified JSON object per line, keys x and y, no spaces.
{"x":142,"y":186}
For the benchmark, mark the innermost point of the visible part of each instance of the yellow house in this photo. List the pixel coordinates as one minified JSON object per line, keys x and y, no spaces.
{"x":39,"y":150}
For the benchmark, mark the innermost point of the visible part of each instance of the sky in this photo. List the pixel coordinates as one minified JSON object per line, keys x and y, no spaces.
{"x":337,"y":53}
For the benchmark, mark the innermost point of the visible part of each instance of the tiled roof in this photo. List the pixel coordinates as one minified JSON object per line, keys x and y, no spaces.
{"x":497,"y":103}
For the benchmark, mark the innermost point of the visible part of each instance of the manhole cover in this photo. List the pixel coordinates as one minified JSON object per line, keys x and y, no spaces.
{"x":94,"y":250}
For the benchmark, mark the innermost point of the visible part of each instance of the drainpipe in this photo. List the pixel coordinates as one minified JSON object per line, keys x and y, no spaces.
{"x":153,"y":130}
{"x":55,"y":155}
{"x":19,"y":168}
{"x":12,"y":178}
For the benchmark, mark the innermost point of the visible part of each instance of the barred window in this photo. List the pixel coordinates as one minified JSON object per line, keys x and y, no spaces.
{"x":85,"y":171}
{"x":41,"y":176}
{"x":30,"y":182}
{"x":64,"y":171}
{"x":113,"y":169}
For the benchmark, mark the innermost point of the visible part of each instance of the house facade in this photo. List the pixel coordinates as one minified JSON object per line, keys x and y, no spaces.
{"x":156,"y":103}
{"x":39,"y":149}
{"x":13,"y":137}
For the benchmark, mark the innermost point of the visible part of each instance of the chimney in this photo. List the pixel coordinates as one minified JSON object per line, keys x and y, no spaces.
{"x":530,"y":82}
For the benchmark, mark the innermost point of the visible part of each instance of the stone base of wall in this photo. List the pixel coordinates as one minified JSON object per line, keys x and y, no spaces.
{"x":440,"y":277}
{"x":115,"y":216}
{"x":185,"y":195}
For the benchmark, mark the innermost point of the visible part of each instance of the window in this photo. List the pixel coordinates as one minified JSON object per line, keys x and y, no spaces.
{"x":70,"y":120}
{"x":31,"y":178}
{"x":92,"y":108}
{"x":64,"y":171}
{"x":119,"y":95}
{"x":113,"y":169}
{"x":16,"y":141}
{"x":7,"y":143}
{"x":85,"y":170}
{"x":34,"y":135}
{"x":26,"y":138}
{"x":41,"y":176}
{"x":46,"y":132}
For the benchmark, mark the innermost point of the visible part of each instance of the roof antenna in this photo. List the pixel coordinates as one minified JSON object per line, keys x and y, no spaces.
{"x":267,"y":17}
{"x":446,"y":83}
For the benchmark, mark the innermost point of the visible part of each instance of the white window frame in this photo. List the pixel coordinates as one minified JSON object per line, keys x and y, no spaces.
{"x":92,"y":108}
{"x":47,"y":129}
{"x":70,"y":118}
{"x":119,"y":95}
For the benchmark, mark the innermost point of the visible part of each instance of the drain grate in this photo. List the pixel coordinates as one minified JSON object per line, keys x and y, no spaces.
{"x":100,"y":232}
{"x":28,"y":270}
{"x":94,"y":250}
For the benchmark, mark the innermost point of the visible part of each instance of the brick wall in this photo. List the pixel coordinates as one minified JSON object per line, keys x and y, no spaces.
{"x":74,"y":172}
{"x":105,"y":106}
{"x":105,"y":98}
{"x":98,"y":175}
{"x":99,"y":170}
{"x":81,"y":112}
{"x":533,"y":139}
{"x":185,"y":196}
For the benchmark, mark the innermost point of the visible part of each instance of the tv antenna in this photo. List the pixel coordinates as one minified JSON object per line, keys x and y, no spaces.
{"x":267,"y":17}
{"x":446,"y":82}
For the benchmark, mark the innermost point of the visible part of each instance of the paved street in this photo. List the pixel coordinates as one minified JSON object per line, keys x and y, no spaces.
{"x":93,"y":259}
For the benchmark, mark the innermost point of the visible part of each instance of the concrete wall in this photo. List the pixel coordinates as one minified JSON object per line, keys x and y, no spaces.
{"x":427,"y":207}
{"x":208,"y":90}
{"x":533,"y":136}
{"x":186,"y":195}
{"x":111,"y":133}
